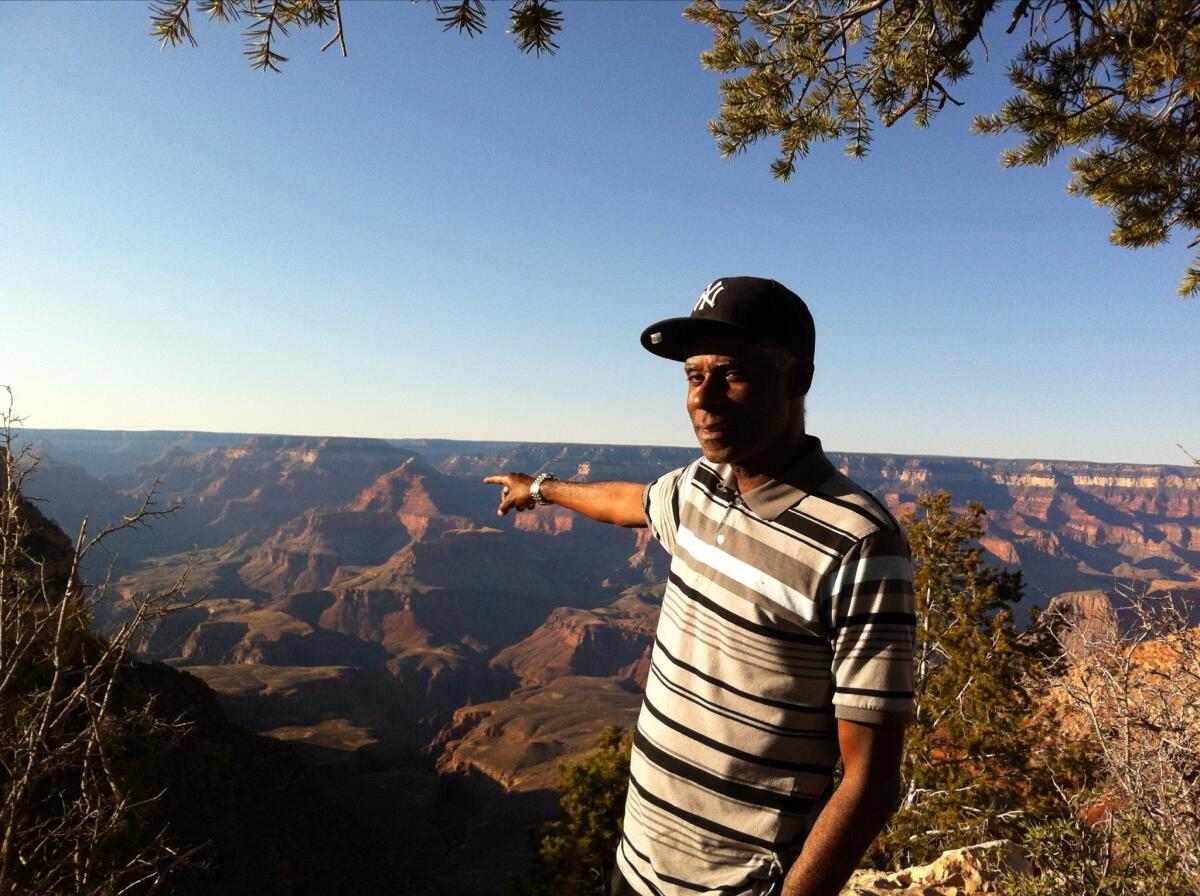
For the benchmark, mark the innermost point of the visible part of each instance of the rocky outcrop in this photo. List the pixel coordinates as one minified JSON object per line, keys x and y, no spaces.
{"x":416,"y":494}
{"x":1068,"y":525}
{"x":649,"y":561}
{"x":238,"y":631}
{"x":437,"y":681}
{"x":475,"y":586}
{"x":412,"y":502}
{"x":578,"y":642}
{"x":1078,"y":618}
{"x":971,"y":870}
{"x":465,"y":559}
{"x":264,"y":698}
{"x":259,"y":484}
{"x":519,"y":742}
{"x":305,"y":553}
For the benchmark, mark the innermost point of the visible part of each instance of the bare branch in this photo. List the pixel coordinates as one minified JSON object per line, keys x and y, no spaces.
{"x":340,"y":36}
{"x":66,"y":801}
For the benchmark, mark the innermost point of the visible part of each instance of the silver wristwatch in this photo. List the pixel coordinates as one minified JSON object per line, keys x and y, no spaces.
{"x":535,"y":490}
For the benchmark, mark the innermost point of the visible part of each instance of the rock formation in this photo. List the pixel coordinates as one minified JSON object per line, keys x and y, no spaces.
{"x":967,"y":871}
{"x":519,"y":742}
{"x":600,"y":643}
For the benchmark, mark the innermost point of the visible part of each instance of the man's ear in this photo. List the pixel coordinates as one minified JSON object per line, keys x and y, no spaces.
{"x":800,"y":378}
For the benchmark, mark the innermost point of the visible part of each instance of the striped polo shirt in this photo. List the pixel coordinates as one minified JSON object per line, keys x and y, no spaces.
{"x":786,"y":608}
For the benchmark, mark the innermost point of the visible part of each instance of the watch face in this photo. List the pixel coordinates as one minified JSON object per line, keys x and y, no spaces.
{"x":535,"y":490}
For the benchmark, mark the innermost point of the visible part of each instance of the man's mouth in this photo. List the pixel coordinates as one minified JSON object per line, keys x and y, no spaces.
{"x":712,"y":430}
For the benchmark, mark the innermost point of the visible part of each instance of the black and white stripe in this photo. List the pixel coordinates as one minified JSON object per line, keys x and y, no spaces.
{"x":784,"y":611}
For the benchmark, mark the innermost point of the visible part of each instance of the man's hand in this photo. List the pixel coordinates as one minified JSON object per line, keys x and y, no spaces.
{"x":514,"y":494}
{"x":854,"y":814}
{"x":619,"y":503}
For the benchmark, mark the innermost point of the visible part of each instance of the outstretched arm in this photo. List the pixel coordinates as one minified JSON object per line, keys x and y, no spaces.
{"x":619,"y":503}
{"x":854,"y":814}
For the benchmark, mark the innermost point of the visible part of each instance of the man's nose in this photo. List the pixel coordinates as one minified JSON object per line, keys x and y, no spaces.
{"x":704,"y":393}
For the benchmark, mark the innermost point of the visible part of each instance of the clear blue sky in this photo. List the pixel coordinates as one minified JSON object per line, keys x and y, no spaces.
{"x":443,"y":237}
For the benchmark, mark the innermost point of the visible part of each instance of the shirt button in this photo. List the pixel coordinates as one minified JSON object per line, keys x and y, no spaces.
{"x":721,"y":538}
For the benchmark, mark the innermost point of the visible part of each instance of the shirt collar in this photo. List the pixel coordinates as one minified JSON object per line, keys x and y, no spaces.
{"x":806,"y":474}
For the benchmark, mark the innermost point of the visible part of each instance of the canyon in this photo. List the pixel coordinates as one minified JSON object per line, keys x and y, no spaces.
{"x":360,"y":600}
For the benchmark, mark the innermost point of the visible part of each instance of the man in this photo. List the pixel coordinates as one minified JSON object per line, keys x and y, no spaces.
{"x":786,"y":634}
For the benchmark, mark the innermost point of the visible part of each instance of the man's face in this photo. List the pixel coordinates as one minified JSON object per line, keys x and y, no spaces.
{"x":739,"y":401}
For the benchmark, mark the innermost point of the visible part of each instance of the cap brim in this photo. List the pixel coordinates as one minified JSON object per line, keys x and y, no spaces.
{"x":676,"y":337}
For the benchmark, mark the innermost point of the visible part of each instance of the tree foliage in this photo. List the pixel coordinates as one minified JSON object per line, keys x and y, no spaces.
{"x":1115,"y":81}
{"x":974,"y":766}
{"x":576,"y":852}
{"x":1118,"y":81}
{"x":533,"y":23}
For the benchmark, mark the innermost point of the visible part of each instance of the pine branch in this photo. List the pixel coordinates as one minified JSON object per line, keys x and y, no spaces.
{"x":259,"y":37}
{"x":534,"y":24}
{"x":468,"y":15}
{"x":222,"y":11}
{"x":304,"y":13}
{"x":170,"y":22}
{"x":947,"y":52}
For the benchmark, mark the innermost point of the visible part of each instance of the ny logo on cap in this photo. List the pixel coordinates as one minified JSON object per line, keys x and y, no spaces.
{"x":708,"y":298}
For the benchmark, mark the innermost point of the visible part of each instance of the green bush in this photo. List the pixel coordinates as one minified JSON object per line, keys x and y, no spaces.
{"x":1123,"y":855}
{"x":576,"y":852}
{"x":975,"y":765}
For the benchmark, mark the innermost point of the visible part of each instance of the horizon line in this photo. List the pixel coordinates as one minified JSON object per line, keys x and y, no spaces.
{"x":1195,"y":468}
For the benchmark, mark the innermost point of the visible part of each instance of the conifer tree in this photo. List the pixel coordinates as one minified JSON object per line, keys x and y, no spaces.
{"x":576,"y":852}
{"x":973,"y":764}
{"x":1118,"y":82}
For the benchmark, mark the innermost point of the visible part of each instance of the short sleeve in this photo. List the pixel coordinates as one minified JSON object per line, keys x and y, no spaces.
{"x":872,"y":629}
{"x":660,"y":500}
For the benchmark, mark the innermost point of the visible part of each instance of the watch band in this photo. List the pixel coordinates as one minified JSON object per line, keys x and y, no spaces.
{"x":535,"y":490}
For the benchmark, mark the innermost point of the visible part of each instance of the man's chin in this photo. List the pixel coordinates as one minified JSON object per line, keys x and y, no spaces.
{"x":716,"y":452}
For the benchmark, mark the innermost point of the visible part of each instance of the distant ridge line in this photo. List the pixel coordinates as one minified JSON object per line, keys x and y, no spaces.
{"x":199,"y":440}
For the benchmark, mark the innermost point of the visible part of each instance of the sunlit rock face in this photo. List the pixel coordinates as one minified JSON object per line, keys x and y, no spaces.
{"x":969,"y":871}
{"x":306,"y":552}
{"x":579,"y":642}
{"x":321,"y":547}
{"x":255,"y":486}
{"x":425,"y":501}
{"x":520,"y":741}
{"x":1068,"y":525}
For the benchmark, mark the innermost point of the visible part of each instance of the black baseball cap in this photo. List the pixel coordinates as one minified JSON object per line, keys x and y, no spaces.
{"x":751,"y":306}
